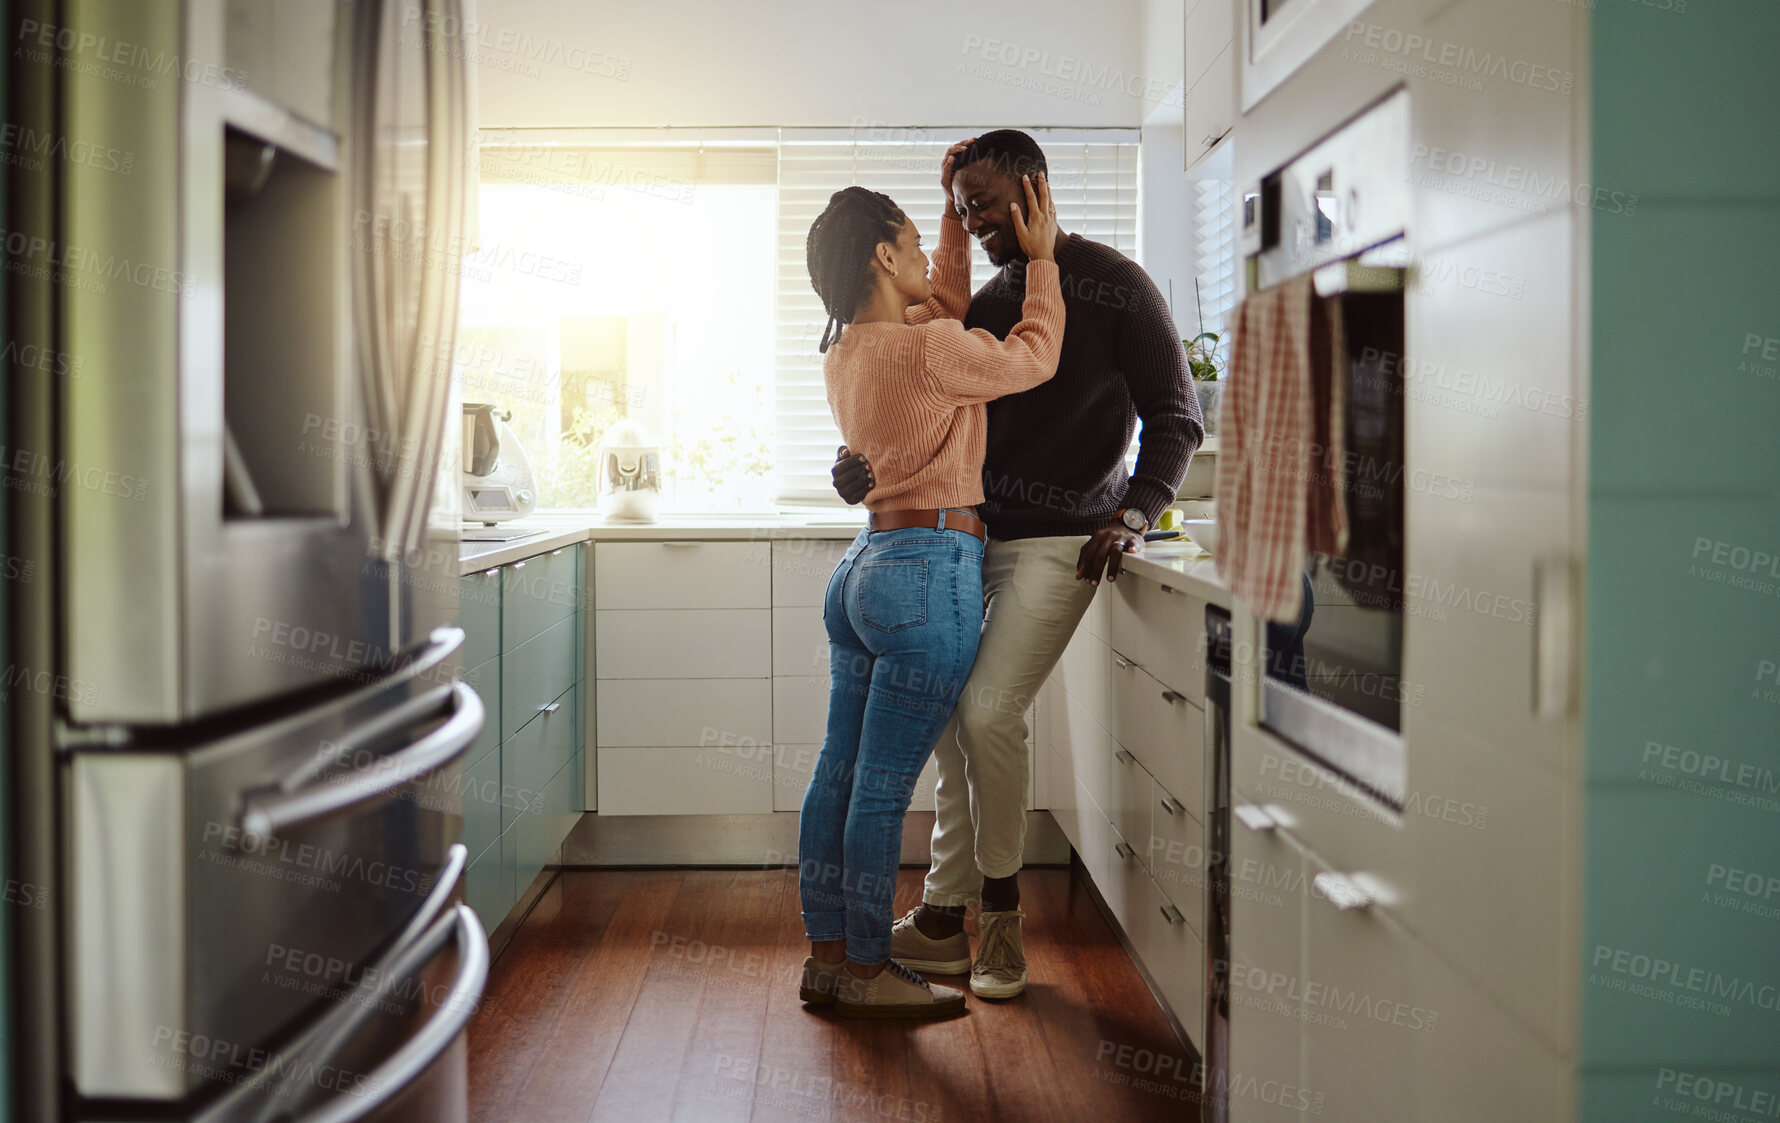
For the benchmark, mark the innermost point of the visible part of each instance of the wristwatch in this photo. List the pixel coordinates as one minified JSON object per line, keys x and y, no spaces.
{"x":1133,"y":518}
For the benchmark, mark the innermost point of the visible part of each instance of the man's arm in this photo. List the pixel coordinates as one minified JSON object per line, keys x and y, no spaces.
{"x":1154,"y":365}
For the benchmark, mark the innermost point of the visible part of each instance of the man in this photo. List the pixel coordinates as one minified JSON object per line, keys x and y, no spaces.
{"x":1061,"y":511}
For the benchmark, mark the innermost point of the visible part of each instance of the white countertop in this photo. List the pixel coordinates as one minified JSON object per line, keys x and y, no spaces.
{"x":567,"y":529}
{"x":1182,"y":565}
{"x":1178,"y":562}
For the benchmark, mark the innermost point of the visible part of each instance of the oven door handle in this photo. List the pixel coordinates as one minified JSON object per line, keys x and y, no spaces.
{"x":265,"y":813}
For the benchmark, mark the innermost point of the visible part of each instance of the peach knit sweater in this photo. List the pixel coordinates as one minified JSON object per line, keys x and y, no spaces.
{"x":911,"y":396}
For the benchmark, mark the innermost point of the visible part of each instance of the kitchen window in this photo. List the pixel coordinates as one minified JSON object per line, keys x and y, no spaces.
{"x":628,"y":283}
{"x":666,"y":283}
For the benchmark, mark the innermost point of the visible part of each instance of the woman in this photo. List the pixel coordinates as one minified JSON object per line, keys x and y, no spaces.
{"x":907,"y":385}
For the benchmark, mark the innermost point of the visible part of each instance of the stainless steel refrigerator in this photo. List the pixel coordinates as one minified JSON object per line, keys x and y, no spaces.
{"x":255,"y":788}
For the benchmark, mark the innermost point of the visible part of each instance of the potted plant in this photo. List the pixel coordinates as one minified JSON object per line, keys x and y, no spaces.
{"x":1207,"y":366}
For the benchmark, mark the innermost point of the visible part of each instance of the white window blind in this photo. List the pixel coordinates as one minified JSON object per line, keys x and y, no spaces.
{"x":1093,"y":180}
{"x":1214,"y":252}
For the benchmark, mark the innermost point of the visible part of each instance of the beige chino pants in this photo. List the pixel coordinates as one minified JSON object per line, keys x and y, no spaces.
{"x":1032,"y":604}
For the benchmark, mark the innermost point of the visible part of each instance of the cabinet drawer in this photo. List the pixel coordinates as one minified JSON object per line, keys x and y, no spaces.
{"x":1085,"y":673}
{"x":678,"y":780}
{"x":1066,"y":800}
{"x":1165,"y":731}
{"x":486,"y":681}
{"x":1361,"y":1002}
{"x":479,"y":615}
{"x":802,"y":567}
{"x":682,"y":574}
{"x":546,"y":822}
{"x":1088,"y":749}
{"x":535,"y":674}
{"x":1176,"y":852}
{"x":800,"y":709}
{"x":717,"y":712}
{"x":534,"y":755}
{"x":1173,"y":952}
{"x":1267,"y":953}
{"x":1163,"y":629}
{"x":488,"y":886}
{"x":800,"y":641}
{"x":482,"y":804}
{"x":708,"y":643}
{"x":537,"y":593}
{"x":1129,"y":807}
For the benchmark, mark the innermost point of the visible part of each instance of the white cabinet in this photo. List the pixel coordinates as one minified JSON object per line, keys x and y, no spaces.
{"x":682,"y":574}
{"x":721,"y":713}
{"x":1267,"y":901}
{"x":699,"y":643}
{"x":683,"y":636}
{"x":1211,"y":57}
{"x":685,"y":780}
{"x":1124,"y":729}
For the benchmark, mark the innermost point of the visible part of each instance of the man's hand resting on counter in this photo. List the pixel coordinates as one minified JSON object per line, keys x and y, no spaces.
{"x":852,"y":475}
{"x":1106,"y":549}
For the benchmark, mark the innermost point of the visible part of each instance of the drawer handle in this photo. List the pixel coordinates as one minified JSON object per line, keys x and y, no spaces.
{"x":1343,"y":891}
{"x":1171,"y":914}
{"x":1170,"y":590}
{"x":1123,"y":757}
{"x":682,"y":543}
{"x":551,"y":708}
{"x":1254,"y":818}
{"x":1168,"y":806}
{"x":1172,"y":696}
{"x":1123,"y":663}
{"x":1124,"y":850}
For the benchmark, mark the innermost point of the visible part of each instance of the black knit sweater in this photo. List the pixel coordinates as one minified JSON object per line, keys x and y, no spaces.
{"x":1055,"y":463}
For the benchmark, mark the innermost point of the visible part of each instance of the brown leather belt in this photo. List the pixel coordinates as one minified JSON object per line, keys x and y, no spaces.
{"x":956,"y":519}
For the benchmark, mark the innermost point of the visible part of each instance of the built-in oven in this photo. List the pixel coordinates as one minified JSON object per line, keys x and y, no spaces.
{"x":1333,"y":678}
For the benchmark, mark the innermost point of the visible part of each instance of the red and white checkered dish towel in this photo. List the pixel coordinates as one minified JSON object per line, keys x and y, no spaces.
{"x":1280,"y":481}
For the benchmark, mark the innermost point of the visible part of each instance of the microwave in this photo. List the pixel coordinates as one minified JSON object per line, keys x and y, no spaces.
{"x":1279,"y":36}
{"x":1333,"y":686}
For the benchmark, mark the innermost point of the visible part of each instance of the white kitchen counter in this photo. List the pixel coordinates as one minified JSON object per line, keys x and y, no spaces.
{"x":1178,"y":563}
{"x":1182,"y":565}
{"x":567,"y":529}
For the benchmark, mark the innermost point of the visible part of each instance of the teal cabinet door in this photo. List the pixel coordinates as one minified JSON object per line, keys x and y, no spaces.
{"x":534,"y":756}
{"x":479,"y":615}
{"x":482,"y":805}
{"x":537,"y":594}
{"x":535,"y":674}
{"x":486,"y":681}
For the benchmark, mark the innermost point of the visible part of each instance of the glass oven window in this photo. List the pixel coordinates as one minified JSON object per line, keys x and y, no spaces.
{"x":1346,"y":647}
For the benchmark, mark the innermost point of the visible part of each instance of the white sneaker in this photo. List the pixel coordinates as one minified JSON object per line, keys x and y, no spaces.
{"x":917,"y":950}
{"x":894,"y":992}
{"x":1000,"y":967}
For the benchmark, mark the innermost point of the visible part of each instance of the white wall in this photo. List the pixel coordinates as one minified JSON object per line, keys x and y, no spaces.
{"x":572,"y":63}
{"x":1164,"y":202}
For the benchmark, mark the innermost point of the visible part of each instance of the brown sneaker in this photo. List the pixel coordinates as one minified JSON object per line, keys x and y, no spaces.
{"x":920,"y":952}
{"x":1000,"y":967}
{"x":895,"y":992}
{"x":819,"y":980}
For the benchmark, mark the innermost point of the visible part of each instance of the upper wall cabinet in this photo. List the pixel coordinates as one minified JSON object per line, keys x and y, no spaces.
{"x":1210,"y":77}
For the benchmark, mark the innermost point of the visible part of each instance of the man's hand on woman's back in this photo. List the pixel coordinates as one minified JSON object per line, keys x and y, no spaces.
{"x":852,"y":475}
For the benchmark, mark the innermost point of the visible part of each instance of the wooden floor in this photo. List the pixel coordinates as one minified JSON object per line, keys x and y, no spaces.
{"x":672,"y":995}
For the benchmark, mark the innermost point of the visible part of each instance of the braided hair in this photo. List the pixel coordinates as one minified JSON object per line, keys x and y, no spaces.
{"x":839,"y":251}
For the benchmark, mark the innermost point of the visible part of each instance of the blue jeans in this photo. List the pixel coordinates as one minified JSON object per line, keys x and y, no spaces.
{"x":903,"y":612}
